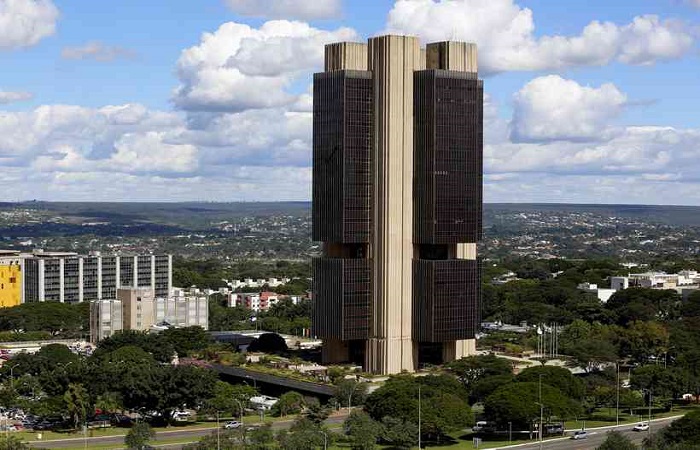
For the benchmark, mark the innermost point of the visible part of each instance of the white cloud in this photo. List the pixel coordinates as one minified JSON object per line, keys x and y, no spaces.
{"x":23,"y":23}
{"x":97,"y":51}
{"x":553,"y":108}
{"x":505,"y":33}
{"x":11,"y":97}
{"x":135,"y":153}
{"x":239,"y":67}
{"x":286,"y":9}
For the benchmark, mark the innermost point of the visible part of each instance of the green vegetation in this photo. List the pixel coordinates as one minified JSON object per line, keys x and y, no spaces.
{"x":139,"y":435}
{"x":36,"y":321}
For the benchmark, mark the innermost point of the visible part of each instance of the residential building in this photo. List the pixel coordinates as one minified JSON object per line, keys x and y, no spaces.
{"x":105,"y":319}
{"x":256,"y":301}
{"x":397,"y":202}
{"x":69,"y":277}
{"x":138,"y":309}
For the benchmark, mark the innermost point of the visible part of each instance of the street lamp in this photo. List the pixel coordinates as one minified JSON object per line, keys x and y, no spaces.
{"x":240,"y":408}
{"x":12,"y":378}
{"x":419,"y":417}
{"x":541,"y":410}
{"x":325,"y":439}
{"x":617,"y":401}
{"x":510,"y":432}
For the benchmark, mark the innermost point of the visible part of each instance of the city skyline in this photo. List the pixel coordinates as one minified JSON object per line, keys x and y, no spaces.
{"x":165,"y":102}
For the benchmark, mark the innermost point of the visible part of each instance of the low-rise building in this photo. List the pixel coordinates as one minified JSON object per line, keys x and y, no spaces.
{"x":138,"y":309}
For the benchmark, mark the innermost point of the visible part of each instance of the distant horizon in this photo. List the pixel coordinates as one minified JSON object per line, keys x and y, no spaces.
{"x":173,"y":202}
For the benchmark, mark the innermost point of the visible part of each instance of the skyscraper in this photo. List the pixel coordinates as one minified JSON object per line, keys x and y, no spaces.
{"x":397,"y":201}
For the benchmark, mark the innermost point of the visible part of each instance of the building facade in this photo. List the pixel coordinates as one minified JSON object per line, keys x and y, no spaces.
{"x":138,"y":309}
{"x":69,"y":277}
{"x":10,"y":279}
{"x":397,"y":202}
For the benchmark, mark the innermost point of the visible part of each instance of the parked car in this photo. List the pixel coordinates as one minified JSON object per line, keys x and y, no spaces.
{"x":642,"y":426}
{"x":580,"y":435}
{"x":232,"y":425}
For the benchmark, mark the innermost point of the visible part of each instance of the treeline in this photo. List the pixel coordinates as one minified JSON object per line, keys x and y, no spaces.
{"x":30,"y":321}
{"x":209,"y":274}
{"x":129,"y":371}
{"x":284,"y":317}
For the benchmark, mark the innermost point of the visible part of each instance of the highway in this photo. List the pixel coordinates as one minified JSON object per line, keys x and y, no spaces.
{"x":174,"y":434}
{"x":595,"y":438}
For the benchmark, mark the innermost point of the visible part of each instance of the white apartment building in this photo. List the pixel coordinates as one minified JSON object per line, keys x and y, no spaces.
{"x":137,"y":309}
{"x":70,"y":277}
{"x":260,"y":282}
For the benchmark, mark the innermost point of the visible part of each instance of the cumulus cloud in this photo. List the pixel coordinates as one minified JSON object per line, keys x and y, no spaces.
{"x":505,"y":33}
{"x":294,"y":9}
{"x":134,"y":153}
{"x":239,"y":67}
{"x":553,"y":108}
{"x":97,"y":51}
{"x":25,"y":22}
{"x":11,"y":97}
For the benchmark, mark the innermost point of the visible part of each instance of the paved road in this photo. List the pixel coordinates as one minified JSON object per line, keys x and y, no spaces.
{"x":170,"y":434}
{"x":595,"y":438}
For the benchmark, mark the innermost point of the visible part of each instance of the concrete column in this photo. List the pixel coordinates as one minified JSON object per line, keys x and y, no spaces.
{"x":118,"y":283}
{"x":392,"y":60}
{"x":42,"y":280}
{"x":135,"y":282}
{"x":99,"y":278}
{"x":170,"y":275}
{"x":153,"y":273}
{"x":80,"y":279}
{"x":62,"y":268}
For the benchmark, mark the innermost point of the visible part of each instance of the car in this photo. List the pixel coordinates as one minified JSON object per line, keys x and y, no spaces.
{"x":642,"y":426}
{"x":232,"y":425}
{"x":580,"y":435}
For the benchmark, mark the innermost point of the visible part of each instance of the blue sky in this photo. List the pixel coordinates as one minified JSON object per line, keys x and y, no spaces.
{"x":587,"y":101}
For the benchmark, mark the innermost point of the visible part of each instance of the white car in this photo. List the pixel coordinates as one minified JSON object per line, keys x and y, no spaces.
{"x":641,"y":427}
{"x":232,"y":425}
{"x":579,"y":435}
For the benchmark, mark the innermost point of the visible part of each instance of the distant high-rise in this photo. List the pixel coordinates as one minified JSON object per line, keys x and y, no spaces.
{"x":397,"y":202}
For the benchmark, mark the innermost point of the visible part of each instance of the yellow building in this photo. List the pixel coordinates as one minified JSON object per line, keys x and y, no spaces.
{"x":10,"y":283}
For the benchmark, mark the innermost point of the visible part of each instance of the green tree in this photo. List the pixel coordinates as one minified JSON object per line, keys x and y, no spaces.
{"x":304,"y":435}
{"x":77,"y":400}
{"x":519,"y":403}
{"x":592,"y":354}
{"x":268,"y":343}
{"x":471,"y":369}
{"x":289,"y":403}
{"x":186,"y":340}
{"x":225,"y":399}
{"x":13,"y":443}
{"x":442,"y":409}
{"x":362,"y":431}
{"x":109,"y":402}
{"x":139,"y":435}
{"x":617,"y":441}
{"x":261,"y":438}
{"x":557,"y":377}
{"x":399,"y":433}
{"x":350,"y":392}
{"x":317,"y":413}
{"x":685,"y":430}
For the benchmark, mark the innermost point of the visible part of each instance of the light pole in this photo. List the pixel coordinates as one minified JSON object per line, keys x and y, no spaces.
{"x":240,"y":408}
{"x":541,"y":410}
{"x":419,"y":413}
{"x":218,"y":432}
{"x":12,"y":378}
{"x":325,"y":439}
{"x":510,"y":432}
{"x":617,"y":401}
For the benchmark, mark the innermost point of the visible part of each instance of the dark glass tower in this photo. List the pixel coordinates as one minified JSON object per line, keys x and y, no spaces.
{"x":397,"y":202}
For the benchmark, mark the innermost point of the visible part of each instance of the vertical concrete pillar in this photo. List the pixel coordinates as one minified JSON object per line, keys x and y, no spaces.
{"x":392,"y":60}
